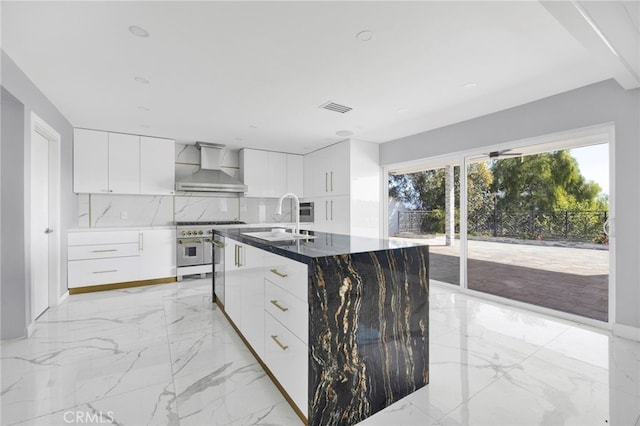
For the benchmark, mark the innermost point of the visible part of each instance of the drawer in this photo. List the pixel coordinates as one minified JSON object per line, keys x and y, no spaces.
{"x":83,"y":273}
{"x":288,"y":274}
{"x":102,"y":237}
{"x":100,"y":251}
{"x":288,"y":359}
{"x":292,"y":312}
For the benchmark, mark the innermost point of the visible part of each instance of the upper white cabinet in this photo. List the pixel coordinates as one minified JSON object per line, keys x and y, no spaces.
{"x":90,"y":161}
{"x":118,"y":163}
{"x":327,"y":171}
{"x":124,"y":163}
{"x":295,"y":175}
{"x":269,"y":174}
{"x":343,"y":181}
{"x":157,"y":170}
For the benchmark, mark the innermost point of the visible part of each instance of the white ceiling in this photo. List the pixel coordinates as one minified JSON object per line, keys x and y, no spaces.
{"x":254,"y":73}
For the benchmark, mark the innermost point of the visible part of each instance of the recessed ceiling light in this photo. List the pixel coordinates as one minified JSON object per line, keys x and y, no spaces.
{"x":145,"y":126}
{"x":138,"y":31}
{"x":365,"y":35}
{"x":253,"y":126}
{"x":470,"y":85}
{"x":141,"y":80}
{"x":344,"y":133}
{"x":402,"y":110}
{"x":143,"y":108}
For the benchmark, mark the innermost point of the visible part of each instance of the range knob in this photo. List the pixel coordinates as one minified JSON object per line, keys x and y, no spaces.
{"x":210,"y":231}
{"x":184,"y":233}
{"x":200,"y":232}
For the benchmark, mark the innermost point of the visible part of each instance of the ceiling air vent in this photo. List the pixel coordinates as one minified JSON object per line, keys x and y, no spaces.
{"x":332,"y":106}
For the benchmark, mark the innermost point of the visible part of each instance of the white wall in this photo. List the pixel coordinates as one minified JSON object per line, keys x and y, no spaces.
{"x":604,"y":102}
{"x":15,"y":82}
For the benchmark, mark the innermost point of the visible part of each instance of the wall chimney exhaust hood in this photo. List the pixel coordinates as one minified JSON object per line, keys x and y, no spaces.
{"x":209,"y":177}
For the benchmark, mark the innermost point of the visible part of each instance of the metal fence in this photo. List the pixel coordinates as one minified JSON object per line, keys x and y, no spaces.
{"x":573,"y":225}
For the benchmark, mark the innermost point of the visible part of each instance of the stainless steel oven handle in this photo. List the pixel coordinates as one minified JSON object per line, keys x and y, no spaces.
{"x":190,"y":241}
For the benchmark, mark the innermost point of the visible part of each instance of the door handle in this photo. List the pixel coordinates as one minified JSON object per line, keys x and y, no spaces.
{"x":326,"y":185}
{"x":240,"y":256}
{"x":331,"y":209}
{"x":331,"y":181}
{"x":48,"y":231}
{"x":326,"y":210}
{"x":235,"y":255}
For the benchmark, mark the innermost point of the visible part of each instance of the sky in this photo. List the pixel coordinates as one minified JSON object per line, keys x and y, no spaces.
{"x":594,"y":164}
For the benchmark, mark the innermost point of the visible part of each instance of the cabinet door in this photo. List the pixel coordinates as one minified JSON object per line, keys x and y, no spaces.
{"x":254,"y":169}
{"x":309,"y":170}
{"x":157,"y":254}
{"x":339,"y":215}
{"x":232,"y":281}
{"x":157,"y":166}
{"x":90,"y":161}
{"x":252,"y":297}
{"x":277,"y":172}
{"x":124,"y":163}
{"x":337,"y":164}
{"x":288,"y":359}
{"x":295,"y":175}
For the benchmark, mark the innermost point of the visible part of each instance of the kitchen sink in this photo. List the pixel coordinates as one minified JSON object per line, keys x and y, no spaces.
{"x":278,"y":235}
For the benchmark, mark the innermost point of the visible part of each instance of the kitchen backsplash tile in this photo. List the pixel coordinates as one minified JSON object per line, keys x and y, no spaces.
{"x":83,"y":210}
{"x":205,"y":208}
{"x":130,"y":210}
{"x":259,"y":210}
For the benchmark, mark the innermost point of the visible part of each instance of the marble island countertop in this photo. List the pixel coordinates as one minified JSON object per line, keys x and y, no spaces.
{"x":323,"y":245}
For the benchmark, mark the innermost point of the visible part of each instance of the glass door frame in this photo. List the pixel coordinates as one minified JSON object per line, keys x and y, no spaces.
{"x":575,"y":138}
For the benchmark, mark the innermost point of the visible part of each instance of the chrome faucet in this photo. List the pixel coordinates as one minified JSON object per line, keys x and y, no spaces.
{"x":279,"y":210}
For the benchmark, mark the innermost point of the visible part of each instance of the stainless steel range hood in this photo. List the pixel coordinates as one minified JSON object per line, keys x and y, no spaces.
{"x":210,"y":178}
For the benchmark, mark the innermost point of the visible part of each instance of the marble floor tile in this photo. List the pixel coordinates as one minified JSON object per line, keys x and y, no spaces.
{"x":165,"y":355}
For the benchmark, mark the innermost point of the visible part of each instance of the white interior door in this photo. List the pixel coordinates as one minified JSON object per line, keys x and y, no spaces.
{"x":40,"y":230}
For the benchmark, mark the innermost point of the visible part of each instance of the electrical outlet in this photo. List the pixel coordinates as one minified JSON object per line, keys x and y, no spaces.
{"x":124,"y":215}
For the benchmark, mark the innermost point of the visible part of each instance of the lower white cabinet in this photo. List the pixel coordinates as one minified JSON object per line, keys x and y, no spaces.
{"x":288,"y":358}
{"x":266,"y":298}
{"x":97,"y":257}
{"x":157,"y":253}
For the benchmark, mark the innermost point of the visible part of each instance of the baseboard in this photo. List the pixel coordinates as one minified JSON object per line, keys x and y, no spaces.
{"x":31,"y":328}
{"x":118,"y":286}
{"x":626,"y":331}
{"x":63,"y":297}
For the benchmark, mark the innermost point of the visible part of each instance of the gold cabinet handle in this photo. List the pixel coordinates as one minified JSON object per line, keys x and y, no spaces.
{"x":103,"y":251}
{"x":218,"y":244}
{"x":275,"y":339}
{"x":331,"y":181}
{"x":278,"y":273}
{"x":277,"y":305}
{"x":237,"y":251}
{"x":105,"y":272}
{"x":326,"y":185}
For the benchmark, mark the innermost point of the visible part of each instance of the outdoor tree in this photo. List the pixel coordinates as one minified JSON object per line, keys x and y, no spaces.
{"x":543,"y":182}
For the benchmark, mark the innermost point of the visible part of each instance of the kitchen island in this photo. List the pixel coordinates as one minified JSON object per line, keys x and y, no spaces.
{"x":340,"y":323}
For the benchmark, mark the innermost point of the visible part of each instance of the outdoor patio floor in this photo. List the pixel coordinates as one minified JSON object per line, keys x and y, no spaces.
{"x":567,"y":279}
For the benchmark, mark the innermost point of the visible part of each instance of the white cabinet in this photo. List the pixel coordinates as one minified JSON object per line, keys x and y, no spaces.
{"x":124,"y":163}
{"x":157,"y":166}
{"x":118,"y":163}
{"x":266,"y":298}
{"x":97,"y":257}
{"x":244,"y":291}
{"x":295,"y":174}
{"x":269,"y":174}
{"x":343,"y":181}
{"x":327,"y":171}
{"x":157,"y":253}
{"x":90,"y":161}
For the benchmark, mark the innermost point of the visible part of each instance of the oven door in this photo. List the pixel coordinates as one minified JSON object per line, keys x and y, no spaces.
{"x":306,"y":212}
{"x":190,"y":251}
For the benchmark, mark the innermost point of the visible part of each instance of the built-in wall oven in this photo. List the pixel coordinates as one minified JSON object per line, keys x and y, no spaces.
{"x":194,"y":247}
{"x":306,"y":212}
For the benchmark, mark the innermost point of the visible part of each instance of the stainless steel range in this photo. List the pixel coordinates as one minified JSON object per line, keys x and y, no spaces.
{"x":194,"y":245}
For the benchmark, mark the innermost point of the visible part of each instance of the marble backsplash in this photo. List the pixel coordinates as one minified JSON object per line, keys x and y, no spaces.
{"x":99,"y":211}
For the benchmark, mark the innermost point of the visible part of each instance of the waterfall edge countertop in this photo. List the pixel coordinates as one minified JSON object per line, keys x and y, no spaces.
{"x":368,"y":321}
{"x":325,"y":244}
